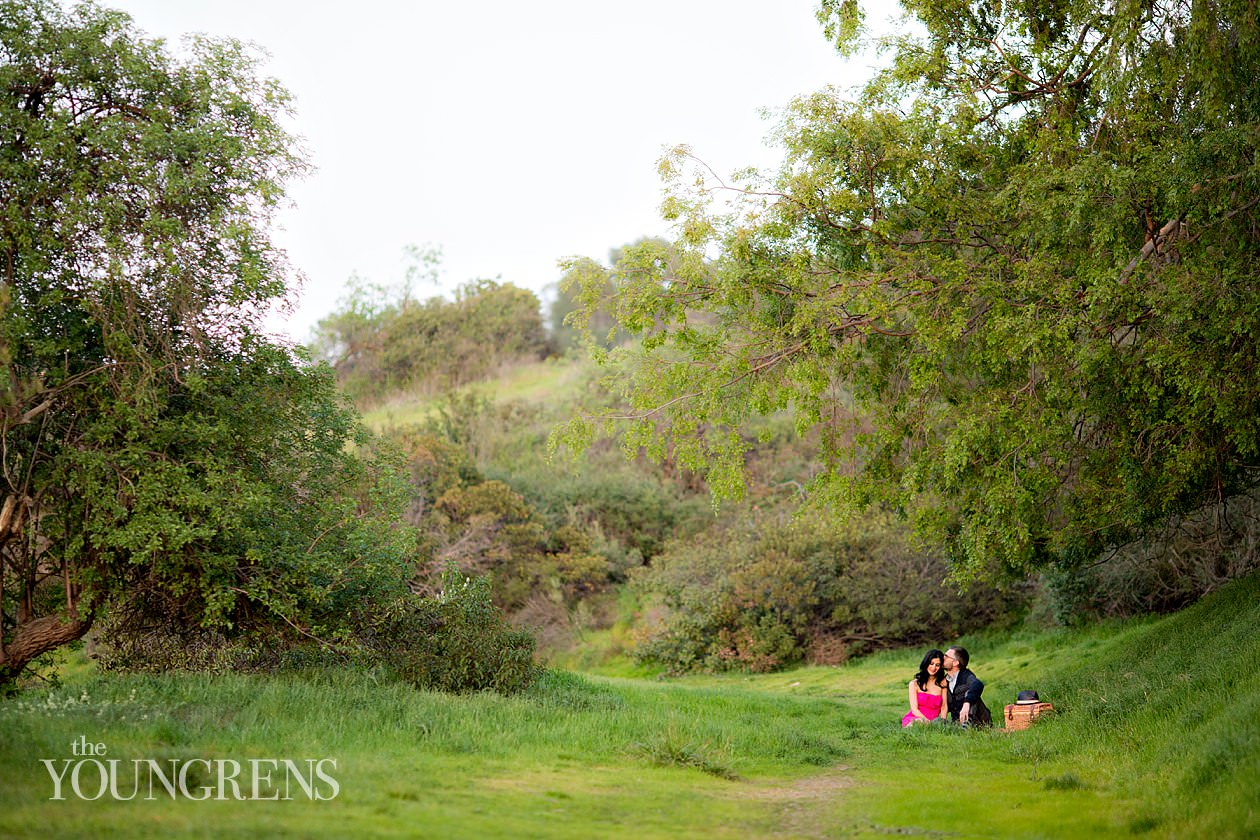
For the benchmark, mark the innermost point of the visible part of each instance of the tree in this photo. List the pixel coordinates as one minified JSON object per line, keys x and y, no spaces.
{"x":350,"y":338}
{"x":1013,"y":284}
{"x":586,"y":295}
{"x":382,"y":341}
{"x":159,"y":454}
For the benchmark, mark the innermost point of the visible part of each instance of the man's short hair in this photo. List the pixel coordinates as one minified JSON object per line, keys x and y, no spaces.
{"x":961,"y":655}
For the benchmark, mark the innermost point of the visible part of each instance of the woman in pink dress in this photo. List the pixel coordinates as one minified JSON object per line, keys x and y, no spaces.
{"x":928,"y":697}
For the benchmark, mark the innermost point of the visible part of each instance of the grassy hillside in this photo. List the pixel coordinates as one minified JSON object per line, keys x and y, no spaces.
{"x":1159,"y":736}
{"x":539,"y":383}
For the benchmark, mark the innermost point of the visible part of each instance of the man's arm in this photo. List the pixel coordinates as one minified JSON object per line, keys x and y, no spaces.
{"x":971,"y":696}
{"x":974,"y":689}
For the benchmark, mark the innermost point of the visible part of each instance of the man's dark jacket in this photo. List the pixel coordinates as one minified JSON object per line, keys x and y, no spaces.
{"x":967,"y":689}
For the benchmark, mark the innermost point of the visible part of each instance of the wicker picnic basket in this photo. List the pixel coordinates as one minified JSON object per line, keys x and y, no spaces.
{"x":1021,"y":715}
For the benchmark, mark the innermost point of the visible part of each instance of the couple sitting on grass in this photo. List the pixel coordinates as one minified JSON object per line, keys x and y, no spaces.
{"x":943,"y":687}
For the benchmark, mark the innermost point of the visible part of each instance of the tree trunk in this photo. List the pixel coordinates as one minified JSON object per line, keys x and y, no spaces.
{"x":38,"y":636}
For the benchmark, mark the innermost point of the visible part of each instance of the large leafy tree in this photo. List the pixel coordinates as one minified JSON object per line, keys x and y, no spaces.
{"x":380,"y":346}
{"x":159,"y":455}
{"x":1012,"y":283}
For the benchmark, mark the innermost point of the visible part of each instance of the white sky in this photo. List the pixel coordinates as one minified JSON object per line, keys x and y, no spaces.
{"x":510,"y":134}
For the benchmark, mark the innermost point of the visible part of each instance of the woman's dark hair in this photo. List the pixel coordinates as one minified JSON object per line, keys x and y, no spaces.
{"x":923,"y":676}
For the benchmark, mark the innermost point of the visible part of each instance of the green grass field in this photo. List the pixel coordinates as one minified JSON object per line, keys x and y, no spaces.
{"x":546,"y":382}
{"x":1158,"y":735}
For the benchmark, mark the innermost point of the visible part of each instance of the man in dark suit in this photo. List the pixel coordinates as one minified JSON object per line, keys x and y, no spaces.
{"x":965,"y":705}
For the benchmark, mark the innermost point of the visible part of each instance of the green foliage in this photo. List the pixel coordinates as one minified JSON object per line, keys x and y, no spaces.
{"x":758,"y":594}
{"x":587,"y":295}
{"x":1157,"y":735}
{"x":484,"y":497}
{"x":1012,"y":287}
{"x":484,"y":527}
{"x":161,"y":459}
{"x":455,"y":641}
{"x":627,"y":510}
{"x":435,"y":464}
{"x":1193,"y":555}
{"x":220,"y":538}
{"x":381,"y":343}
{"x":584,"y":280}
{"x":671,"y":749}
{"x":165,"y":649}
{"x":842,"y":23}
{"x":489,"y":528}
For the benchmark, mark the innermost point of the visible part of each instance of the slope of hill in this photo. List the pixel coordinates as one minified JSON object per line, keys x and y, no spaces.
{"x":1158,"y":735}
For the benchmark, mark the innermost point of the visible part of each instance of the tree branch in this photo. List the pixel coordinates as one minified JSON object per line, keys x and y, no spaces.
{"x":1167,"y":233}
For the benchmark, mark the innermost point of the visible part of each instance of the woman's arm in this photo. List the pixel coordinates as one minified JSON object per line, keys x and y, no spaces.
{"x":914,"y":701}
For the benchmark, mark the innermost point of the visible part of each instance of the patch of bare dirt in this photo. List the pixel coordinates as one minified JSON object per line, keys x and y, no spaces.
{"x":799,"y":803}
{"x":801,"y":790}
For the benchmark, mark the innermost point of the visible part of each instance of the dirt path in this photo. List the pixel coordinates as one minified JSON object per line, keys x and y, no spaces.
{"x":800,"y":802}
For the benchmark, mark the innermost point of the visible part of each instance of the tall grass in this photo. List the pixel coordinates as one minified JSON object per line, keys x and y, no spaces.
{"x":1158,"y":735}
{"x":1156,"y":731}
{"x":415,"y":763}
{"x":1169,"y":713}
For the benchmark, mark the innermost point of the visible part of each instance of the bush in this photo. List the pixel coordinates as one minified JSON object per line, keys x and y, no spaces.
{"x":160,"y":650}
{"x":1192,"y":556}
{"x":455,"y":641}
{"x":489,"y":529}
{"x":379,"y":346}
{"x":764,"y":592}
{"x":631,"y":511}
{"x":434,"y":465}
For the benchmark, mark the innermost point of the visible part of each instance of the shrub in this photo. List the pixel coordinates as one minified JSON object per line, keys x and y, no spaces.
{"x":630,"y":510}
{"x":455,"y":641}
{"x":764,"y":591}
{"x":159,"y":650}
{"x":488,"y":528}
{"x":434,"y":465}
{"x":379,"y":346}
{"x":1192,"y":556}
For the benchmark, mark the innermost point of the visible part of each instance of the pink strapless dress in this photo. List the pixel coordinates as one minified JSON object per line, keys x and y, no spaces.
{"x":929,"y":705}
